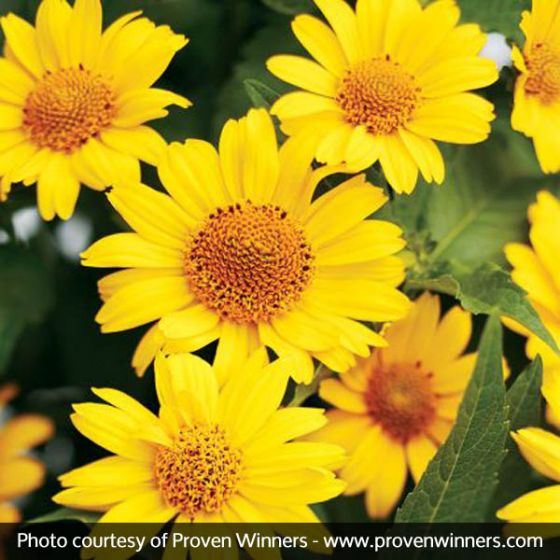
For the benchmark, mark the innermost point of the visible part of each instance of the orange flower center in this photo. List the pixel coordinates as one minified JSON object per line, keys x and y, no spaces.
{"x":200,"y":472}
{"x":379,"y":94}
{"x":401,"y":399}
{"x":67,"y":108}
{"x":249,"y":262}
{"x":544,"y":73}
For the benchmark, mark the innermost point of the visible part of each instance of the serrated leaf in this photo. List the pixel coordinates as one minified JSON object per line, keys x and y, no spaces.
{"x":261,"y":95}
{"x":525,"y":409}
{"x":457,"y":485}
{"x":502,"y":16}
{"x":67,"y":514}
{"x":289,"y":7}
{"x":488,"y":290}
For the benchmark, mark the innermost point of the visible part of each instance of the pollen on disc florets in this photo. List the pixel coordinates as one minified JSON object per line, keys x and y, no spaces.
{"x":67,"y":108}
{"x":200,"y":472}
{"x":249,"y":262}
{"x":400,"y":398}
{"x":379,"y":94}
{"x":544,"y":73}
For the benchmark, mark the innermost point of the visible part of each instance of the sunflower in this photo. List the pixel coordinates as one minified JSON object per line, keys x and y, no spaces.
{"x":211,"y":454}
{"x":541,"y":449}
{"x":241,"y":252}
{"x":74,"y":100}
{"x":535,"y":269}
{"x":389,"y":79}
{"x":394,"y":409}
{"x":19,"y":475}
{"x":536,"y":110}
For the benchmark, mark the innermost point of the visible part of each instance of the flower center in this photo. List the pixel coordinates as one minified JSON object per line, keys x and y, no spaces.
{"x":400,"y":398}
{"x":544,"y":73}
{"x":200,"y":472}
{"x":249,"y":262}
{"x":379,"y":94}
{"x":67,"y":108}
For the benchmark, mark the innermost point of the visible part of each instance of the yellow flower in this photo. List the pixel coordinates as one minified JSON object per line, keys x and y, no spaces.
{"x":19,"y":475}
{"x":394,"y":409}
{"x":243,"y":253}
{"x":74,"y":100}
{"x":536,"y":110}
{"x":211,"y":454}
{"x":389,"y":79}
{"x":536,"y":269}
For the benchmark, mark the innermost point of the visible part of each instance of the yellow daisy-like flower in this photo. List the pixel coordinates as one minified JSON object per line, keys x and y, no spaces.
{"x":210,"y":455}
{"x":536,"y":110}
{"x":394,"y":409}
{"x":535,"y":269}
{"x":541,"y":449}
{"x":390,"y":78}
{"x":19,"y":475}
{"x":74,"y":100}
{"x":243,"y":253}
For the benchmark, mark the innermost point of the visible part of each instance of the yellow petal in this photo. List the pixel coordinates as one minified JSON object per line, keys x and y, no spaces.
{"x":342,"y":208}
{"x":236,"y":344}
{"x":398,"y":164}
{"x":192,"y":321}
{"x":337,"y":394}
{"x":419,"y":452}
{"x":426,"y":155}
{"x":20,"y":36}
{"x":541,"y":449}
{"x":142,"y":142}
{"x":303,"y":73}
{"x":321,"y":43}
{"x":362,"y":465}
{"x":123,"y":250}
{"x":84,"y":32}
{"x":143,"y":302}
{"x":343,"y":21}
{"x":152,"y":214}
{"x":19,"y":477}
{"x":390,"y":476}
{"x":23,"y":433}
{"x":461,"y":119}
{"x":531,"y":507}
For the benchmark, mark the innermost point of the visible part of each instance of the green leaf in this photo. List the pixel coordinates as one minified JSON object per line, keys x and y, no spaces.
{"x":457,"y":485}
{"x":260,"y":94}
{"x":289,"y":7}
{"x":26,"y":294}
{"x":67,"y":514}
{"x":525,"y":409}
{"x":488,"y":290}
{"x":503,"y":16}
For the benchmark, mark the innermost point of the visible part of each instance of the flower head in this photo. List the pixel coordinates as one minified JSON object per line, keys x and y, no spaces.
{"x":242,"y":252}
{"x":537,"y":90}
{"x":210,"y":454}
{"x":74,"y":100}
{"x":389,"y":79}
{"x":535,"y":269}
{"x":396,"y":407}
{"x":19,"y":475}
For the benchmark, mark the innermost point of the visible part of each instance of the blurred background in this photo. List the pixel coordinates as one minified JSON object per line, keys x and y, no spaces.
{"x":49,"y":343}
